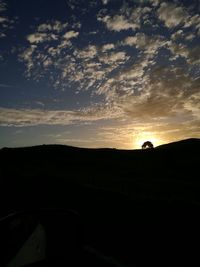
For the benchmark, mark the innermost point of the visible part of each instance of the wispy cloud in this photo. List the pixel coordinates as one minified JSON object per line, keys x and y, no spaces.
{"x":118,"y":23}
{"x":28,"y":117}
{"x":5,"y":23}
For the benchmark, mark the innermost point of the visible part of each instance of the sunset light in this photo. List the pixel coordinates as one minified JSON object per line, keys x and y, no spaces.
{"x":143,"y":137}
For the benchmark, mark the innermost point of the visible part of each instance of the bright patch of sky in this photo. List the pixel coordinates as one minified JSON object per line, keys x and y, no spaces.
{"x":99,"y":73}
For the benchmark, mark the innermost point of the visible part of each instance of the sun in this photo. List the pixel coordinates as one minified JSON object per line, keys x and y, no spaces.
{"x":143,"y":137}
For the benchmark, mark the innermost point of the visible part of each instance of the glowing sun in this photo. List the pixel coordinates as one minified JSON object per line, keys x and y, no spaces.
{"x":143,"y":137}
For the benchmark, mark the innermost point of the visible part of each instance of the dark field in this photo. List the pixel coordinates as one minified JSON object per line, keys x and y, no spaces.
{"x":136,"y":207}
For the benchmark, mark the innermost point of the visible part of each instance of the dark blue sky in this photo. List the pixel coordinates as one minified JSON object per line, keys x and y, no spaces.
{"x":104,"y":73}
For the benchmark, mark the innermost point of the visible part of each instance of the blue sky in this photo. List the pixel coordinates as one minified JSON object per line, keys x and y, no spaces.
{"x":105,"y":73}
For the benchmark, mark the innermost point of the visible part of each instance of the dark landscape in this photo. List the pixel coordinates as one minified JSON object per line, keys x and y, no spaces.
{"x":135,"y":206}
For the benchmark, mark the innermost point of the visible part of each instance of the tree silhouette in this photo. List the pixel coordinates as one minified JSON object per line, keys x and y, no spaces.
{"x":147,"y":145}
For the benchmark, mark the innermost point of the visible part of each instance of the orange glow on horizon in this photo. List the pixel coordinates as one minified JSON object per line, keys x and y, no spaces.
{"x":143,"y":137}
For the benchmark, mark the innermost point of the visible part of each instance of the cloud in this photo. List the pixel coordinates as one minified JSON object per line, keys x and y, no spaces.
{"x":84,"y":66}
{"x":107,"y":47}
{"x":70,"y":34}
{"x":191,"y":54}
{"x":51,"y":31}
{"x":162,"y":93}
{"x":5,"y":22}
{"x":36,"y":38}
{"x":95,"y":65}
{"x":2,"y":35}
{"x":133,"y":78}
{"x":155,"y":3}
{"x":89,"y":52}
{"x":114,"y":57}
{"x":128,"y":81}
{"x":27,"y":56}
{"x":167,"y":94}
{"x":194,"y":55}
{"x":30,"y":117}
{"x":105,"y":2}
{"x":190,"y":37}
{"x":93,"y":32}
{"x":193,"y":21}
{"x":126,"y":78}
{"x":2,"y":19}
{"x":144,"y":42}
{"x":45,"y":47}
{"x":177,"y":35}
{"x":178,"y":50}
{"x":71,"y":4}
{"x":177,"y":16}
{"x":55,"y":26}
{"x":118,"y":23}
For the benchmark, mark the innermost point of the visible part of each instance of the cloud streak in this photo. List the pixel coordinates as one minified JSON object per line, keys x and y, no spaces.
{"x":30,"y":117}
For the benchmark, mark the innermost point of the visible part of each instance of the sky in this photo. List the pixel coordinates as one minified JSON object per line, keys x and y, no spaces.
{"x":104,"y":73}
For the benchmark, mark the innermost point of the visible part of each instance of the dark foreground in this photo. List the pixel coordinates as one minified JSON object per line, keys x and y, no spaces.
{"x":133,"y":207}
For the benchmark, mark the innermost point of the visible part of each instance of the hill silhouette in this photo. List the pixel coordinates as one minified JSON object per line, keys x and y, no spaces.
{"x":187,"y":144}
{"x":137,"y":196}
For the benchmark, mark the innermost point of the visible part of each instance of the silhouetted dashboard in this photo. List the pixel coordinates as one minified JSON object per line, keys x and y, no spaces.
{"x":46,"y":238}
{"x":57,"y":237}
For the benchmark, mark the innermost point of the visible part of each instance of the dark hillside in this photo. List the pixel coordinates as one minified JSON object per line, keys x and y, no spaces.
{"x":167,"y":173}
{"x":186,"y":145}
{"x":135,"y":197}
